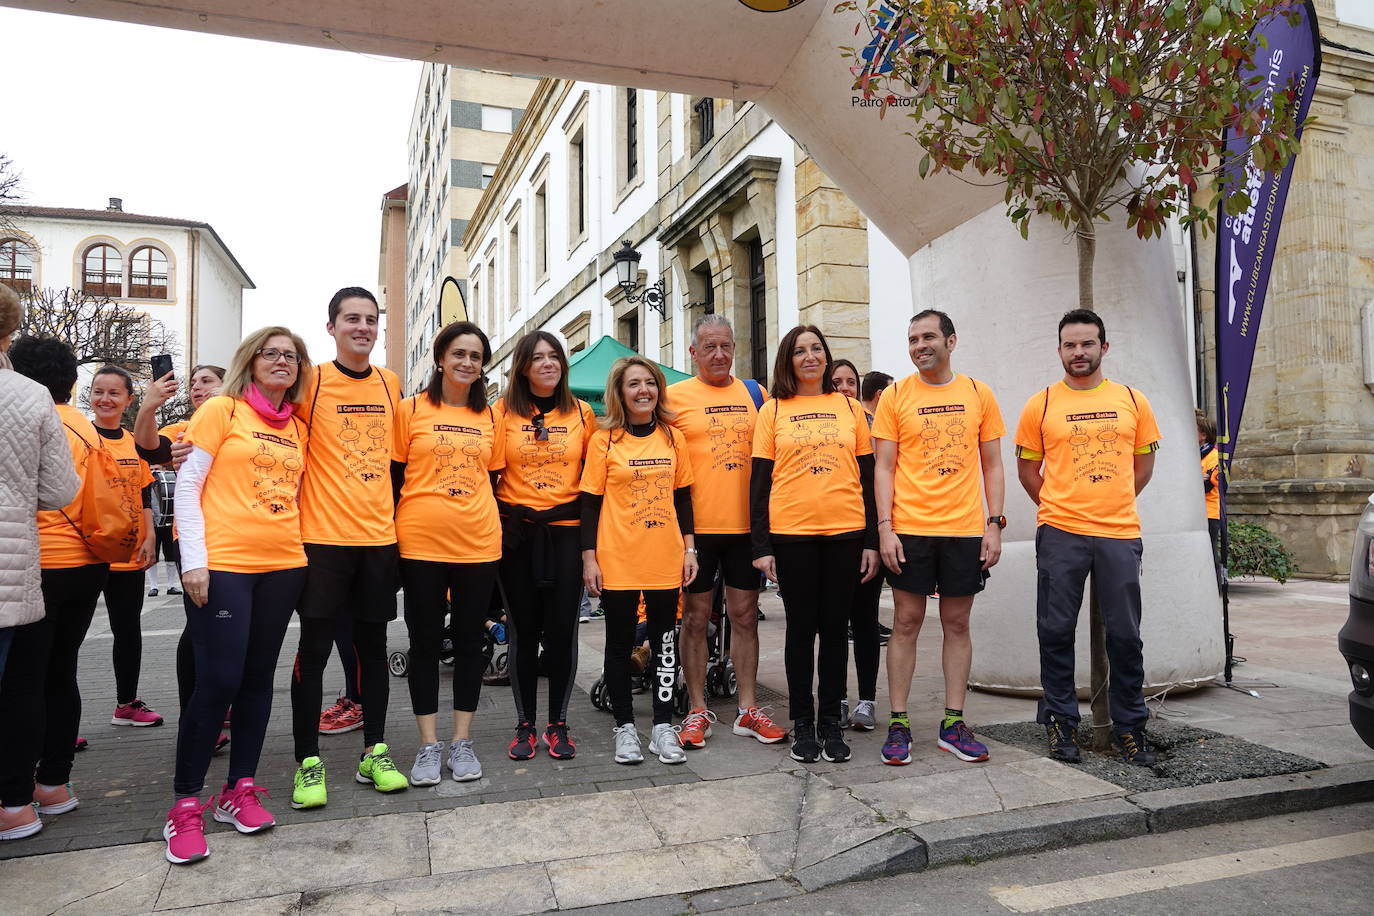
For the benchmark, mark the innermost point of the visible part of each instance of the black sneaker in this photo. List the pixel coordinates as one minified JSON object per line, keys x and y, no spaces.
{"x":884,"y":634}
{"x":1063,"y":740}
{"x":173,"y":590}
{"x":523,"y":745}
{"x":560,"y":745}
{"x":833,"y":747}
{"x":1134,"y":748}
{"x":805,"y":747}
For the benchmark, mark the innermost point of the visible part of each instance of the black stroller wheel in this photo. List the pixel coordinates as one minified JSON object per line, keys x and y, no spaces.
{"x":399,"y":663}
{"x":599,"y":698}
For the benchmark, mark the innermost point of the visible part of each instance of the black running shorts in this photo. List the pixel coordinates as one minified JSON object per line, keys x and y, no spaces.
{"x":728,"y":553}
{"x":359,"y":581}
{"x":949,"y":566}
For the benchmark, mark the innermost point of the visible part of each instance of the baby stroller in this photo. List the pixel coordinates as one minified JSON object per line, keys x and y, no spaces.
{"x":498,"y":662}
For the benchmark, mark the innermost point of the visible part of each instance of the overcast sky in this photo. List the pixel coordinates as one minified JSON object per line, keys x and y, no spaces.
{"x":285,"y":150}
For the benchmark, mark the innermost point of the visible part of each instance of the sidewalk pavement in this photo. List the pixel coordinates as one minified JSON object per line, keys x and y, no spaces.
{"x":738,"y":822}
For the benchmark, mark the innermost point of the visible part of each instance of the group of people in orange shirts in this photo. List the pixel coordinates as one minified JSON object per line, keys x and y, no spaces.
{"x":321,"y":490}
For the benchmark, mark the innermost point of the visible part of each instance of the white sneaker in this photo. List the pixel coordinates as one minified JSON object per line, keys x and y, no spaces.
{"x":664,"y":742}
{"x":627,"y":744}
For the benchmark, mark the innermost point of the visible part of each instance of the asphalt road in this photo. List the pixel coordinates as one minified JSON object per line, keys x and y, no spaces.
{"x":1317,"y":862}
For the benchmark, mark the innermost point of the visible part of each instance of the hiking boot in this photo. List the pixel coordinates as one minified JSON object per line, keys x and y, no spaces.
{"x":429,"y":765}
{"x":897,"y":747}
{"x":755,"y":723}
{"x":136,"y":713}
{"x":556,"y":739}
{"x":1134,"y":748}
{"x":185,"y":832}
{"x":378,"y":770}
{"x":1063,"y":738}
{"x":958,"y":740}
{"x":240,"y":806}
{"x":640,"y":657}
{"x":805,"y":747}
{"x":525,"y":742}
{"x":696,"y":728}
{"x":463,"y":762}
{"x":307,"y":787}
{"x":833,"y":747}
{"x":57,"y":800}
{"x":627,"y":744}
{"x":864,"y":718}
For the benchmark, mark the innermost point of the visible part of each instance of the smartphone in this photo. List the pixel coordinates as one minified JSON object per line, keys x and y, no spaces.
{"x":162,"y":364}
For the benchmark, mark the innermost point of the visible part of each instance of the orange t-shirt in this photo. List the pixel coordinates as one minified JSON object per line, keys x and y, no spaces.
{"x":173,"y":430}
{"x":541,"y":475}
{"x":252,"y":518}
{"x":447,"y":512}
{"x":60,"y":545}
{"x":346,"y":496}
{"x":937,"y":484}
{"x":1211,"y":467}
{"x":1088,"y":441}
{"x":814,"y":443}
{"x":136,"y":477}
{"x":718,"y":425}
{"x":638,"y":542}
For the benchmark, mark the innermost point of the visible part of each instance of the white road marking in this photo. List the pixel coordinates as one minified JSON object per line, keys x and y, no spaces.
{"x":1033,"y":899}
{"x":1324,"y":599}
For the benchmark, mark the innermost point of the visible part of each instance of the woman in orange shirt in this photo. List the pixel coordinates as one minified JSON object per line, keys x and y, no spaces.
{"x":637,"y":538}
{"x":449,"y":534}
{"x":544,"y":432}
{"x":814,"y":528}
{"x":243,"y":567}
{"x":112,"y":391}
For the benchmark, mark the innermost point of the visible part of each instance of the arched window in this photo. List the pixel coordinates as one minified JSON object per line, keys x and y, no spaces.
{"x":16,"y":265}
{"x":102,"y":272}
{"x":148,"y":274}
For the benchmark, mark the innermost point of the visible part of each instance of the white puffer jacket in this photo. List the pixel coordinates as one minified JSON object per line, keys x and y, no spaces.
{"x":36,"y":472}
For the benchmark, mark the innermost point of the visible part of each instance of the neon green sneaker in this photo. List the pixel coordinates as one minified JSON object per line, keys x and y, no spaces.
{"x":308,"y":789}
{"x":377,"y":770}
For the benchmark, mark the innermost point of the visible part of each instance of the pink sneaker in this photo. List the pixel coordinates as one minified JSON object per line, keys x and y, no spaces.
{"x":240,"y":806}
{"x":136,"y":713}
{"x":57,"y":800}
{"x":185,"y":832}
{"x":15,"y":825}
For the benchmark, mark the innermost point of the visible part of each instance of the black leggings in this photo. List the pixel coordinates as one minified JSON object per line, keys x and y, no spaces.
{"x":429,"y":589}
{"x":817,"y":577}
{"x":307,"y":680}
{"x":124,"y":604}
{"x":863,"y":618}
{"x":348,"y":656}
{"x":545,"y":615}
{"x":40,"y":702}
{"x":622,"y":613}
{"x":236,"y":640}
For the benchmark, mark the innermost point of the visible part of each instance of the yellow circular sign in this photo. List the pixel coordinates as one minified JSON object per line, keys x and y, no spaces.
{"x":771,"y":6}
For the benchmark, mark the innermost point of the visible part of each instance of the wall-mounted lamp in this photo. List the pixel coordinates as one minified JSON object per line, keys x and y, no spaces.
{"x":627,"y":276}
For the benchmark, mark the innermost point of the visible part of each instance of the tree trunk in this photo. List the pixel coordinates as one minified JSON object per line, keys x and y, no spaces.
{"x":1097,"y":654}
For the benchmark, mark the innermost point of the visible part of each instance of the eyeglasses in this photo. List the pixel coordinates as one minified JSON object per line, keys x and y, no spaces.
{"x":541,"y":432}
{"x":272,"y":354}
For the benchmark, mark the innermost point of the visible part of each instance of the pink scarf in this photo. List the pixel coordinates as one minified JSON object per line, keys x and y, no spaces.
{"x":275,"y":417}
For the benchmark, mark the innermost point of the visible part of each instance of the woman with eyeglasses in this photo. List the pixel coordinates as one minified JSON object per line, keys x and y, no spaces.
{"x":243,"y":567}
{"x":544,"y":431}
{"x":445,"y":454}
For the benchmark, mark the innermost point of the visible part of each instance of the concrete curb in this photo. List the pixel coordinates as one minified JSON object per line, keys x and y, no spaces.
{"x":886,"y":855}
{"x":1030,"y":829}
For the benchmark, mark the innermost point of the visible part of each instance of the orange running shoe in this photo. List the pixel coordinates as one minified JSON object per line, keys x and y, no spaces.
{"x":757,"y":724}
{"x":696,"y":728}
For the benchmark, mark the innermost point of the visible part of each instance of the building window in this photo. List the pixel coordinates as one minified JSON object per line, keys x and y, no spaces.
{"x":488,"y":173}
{"x":148,"y":274}
{"x":631,"y":133}
{"x":758,"y":313}
{"x":708,"y":292}
{"x":541,"y":231}
{"x":629,"y":331}
{"x":491,"y":283}
{"x":513,"y":260}
{"x":102,"y":272}
{"x":577,"y":185}
{"x":16,"y":265}
{"x":477,"y":315}
{"x":704,"y":122}
{"x":498,"y":120}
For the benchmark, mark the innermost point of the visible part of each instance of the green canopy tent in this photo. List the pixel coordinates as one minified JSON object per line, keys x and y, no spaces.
{"x":587,"y":371}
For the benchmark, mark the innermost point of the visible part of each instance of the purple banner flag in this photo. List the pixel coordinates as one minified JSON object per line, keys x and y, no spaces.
{"x":1246,"y":242}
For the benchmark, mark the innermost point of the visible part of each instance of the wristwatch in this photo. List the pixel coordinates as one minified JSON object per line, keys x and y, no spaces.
{"x":999,"y":520}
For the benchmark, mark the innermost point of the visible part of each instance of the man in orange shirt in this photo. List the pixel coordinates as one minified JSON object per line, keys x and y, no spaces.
{"x":715,"y":412}
{"x":938,"y":439}
{"x":1085,"y":449}
{"x":349,"y":533}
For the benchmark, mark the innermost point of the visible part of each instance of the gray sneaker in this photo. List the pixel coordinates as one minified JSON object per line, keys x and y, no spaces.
{"x":844,"y":713}
{"x":463,"y":762}
{"x":627,"y":744}
{"x":428,"y":767}
{"x":863,"y":717}
{"x":664,"y":742}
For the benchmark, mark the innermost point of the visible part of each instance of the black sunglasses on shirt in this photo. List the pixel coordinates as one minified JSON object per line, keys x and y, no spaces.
{"x":541,"y":432}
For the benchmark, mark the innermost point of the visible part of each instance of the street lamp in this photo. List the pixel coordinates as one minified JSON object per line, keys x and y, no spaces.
{"x":627,"y":277}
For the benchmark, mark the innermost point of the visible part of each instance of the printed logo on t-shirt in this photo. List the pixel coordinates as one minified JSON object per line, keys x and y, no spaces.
{"x":817,"y":436}
{"x":276,"y":472}
{"x":731,"y":436}
{"x":457,"y":454}
{"x":1094,"y":445}
{"x":651,"y":492}
{"x":944,"y":448}
{"x":366,"y":451}
{"x":544,"y":463}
